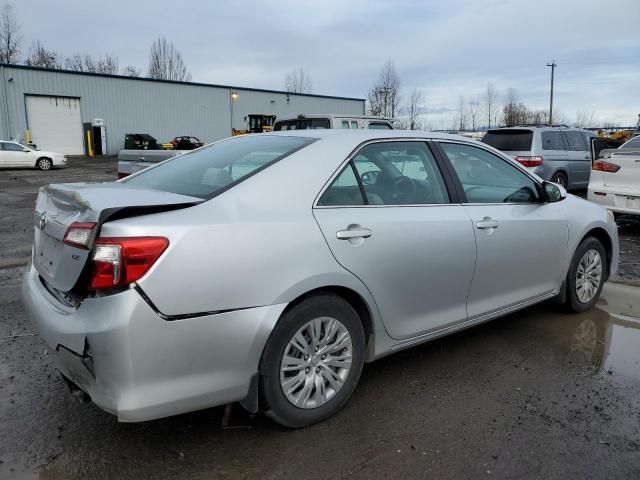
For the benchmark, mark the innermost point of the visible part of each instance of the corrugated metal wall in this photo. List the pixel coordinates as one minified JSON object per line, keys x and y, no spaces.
{"x":164,"y":110}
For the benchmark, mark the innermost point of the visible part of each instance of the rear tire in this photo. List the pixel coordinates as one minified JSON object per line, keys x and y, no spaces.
{"x":312,"y":361}
{"x":44,"y":163}
{"x":561,"y":179}
{"x":586,"y":276}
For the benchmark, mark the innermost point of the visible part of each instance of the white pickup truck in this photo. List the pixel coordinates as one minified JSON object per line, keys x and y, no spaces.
{"x":132,"y":161}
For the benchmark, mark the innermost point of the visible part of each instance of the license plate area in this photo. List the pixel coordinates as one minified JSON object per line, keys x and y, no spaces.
{"x":633,"y":202}
{"x":47,"y":252}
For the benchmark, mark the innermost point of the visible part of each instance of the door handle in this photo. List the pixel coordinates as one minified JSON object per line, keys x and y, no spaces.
{"x":347,"y":234}
{"x":487,"y":223}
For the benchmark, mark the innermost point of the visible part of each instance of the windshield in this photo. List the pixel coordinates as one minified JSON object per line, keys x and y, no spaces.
{"x":210,"y":170}
{"x":509,"y":140}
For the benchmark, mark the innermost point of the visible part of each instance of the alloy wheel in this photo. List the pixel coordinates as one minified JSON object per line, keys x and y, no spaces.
{"x":588,"y":276}
{"x":44,"y":164}
{"x":316,"y":362}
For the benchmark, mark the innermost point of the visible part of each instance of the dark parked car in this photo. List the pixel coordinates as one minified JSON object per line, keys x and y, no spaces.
{"x":186,"y":143}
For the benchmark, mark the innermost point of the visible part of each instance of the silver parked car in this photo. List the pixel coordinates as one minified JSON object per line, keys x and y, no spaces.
{"x":266,"y":269}
{"x":559,"y":154}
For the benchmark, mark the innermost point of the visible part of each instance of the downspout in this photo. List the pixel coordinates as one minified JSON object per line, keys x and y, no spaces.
{"x":6,"y":124}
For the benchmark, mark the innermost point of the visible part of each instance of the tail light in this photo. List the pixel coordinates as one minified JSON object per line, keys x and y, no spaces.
{"x":602,"y":166}
{"x":79,"y":235}
{"x":119,"y":261}
{"x":530,"y":161}
{"x":123,"y":175}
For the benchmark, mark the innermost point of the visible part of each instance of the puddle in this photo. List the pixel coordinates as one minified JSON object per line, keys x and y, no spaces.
{"x":608,"y":337}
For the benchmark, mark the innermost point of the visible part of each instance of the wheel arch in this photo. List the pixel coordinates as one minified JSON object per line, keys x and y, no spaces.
{"x":40,"y":158}
{"x":603,"y":237}
{"x":254,"y":399}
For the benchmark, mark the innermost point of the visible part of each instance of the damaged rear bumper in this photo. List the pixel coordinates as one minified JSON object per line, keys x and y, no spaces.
{"x":138,"y":366}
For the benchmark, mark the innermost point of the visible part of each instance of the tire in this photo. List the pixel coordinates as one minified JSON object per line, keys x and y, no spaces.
{"x":309,"y":373}
{"x":560,"y":178}
{"x":44,"y":163}
{"x":576,"y":299}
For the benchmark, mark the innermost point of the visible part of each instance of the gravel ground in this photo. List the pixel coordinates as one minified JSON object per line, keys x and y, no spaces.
{"x":537,"y":394}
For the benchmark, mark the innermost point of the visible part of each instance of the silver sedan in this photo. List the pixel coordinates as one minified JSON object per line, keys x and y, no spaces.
{"x":267,"y":269}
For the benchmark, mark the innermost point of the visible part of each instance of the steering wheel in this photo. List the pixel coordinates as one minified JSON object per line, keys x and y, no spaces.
{"x":522,"y":195}
{"x":404,"y":188}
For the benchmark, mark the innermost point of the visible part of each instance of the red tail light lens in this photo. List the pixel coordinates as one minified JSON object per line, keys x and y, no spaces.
{"x":530,"y":161}
{"x":602,"y":166}
{"x":123,"y":175}
{"x":79,"y":235}
{"x":123,"y":260}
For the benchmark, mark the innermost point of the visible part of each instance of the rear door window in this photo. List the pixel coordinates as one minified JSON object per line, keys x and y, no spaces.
{"x":575,"y":140}
{"x":210,"y":170}
{"x":553,"y":141}
{"x":354,"y":124}
{"x":509,"y":140}
{"x":400,"y":173}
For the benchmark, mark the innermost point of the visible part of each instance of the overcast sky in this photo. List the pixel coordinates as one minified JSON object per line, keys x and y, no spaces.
{"x":444,"y":48}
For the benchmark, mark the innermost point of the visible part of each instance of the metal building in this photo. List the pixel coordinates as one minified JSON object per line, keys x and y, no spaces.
{"x":55,"y":108}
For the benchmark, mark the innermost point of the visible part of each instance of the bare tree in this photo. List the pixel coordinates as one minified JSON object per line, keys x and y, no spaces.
{"x":10,"y":36}
{"x":298,"y":81}
{"x":384,"y":96}
{"x":461,"y":113}
{"x":415,"y":108}
{"x":511,"y":112}
{"x":474,"y":112}
{"x":131,"y":71}
{"x":165,"y":62}
{"x":39,"y":56}
{"x":491,"y":104}
{"x":584,"y":120}
{"x":86,"y":63}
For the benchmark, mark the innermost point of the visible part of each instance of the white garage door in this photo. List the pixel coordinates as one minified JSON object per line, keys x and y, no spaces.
{"x":55,"y":124}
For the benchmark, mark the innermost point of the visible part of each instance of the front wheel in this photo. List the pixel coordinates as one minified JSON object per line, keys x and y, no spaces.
{"x":586,"y":275}
{"x":312,"y":361}
{"x":44,"y":164}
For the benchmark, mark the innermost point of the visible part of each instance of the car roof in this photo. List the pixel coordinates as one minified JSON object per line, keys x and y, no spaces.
{"x":368,"y":134}
{"x":333,"y":115}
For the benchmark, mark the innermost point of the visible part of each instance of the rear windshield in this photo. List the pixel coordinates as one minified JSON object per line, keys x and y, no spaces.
{"x":509,"y":140}
{"x":210,"y":170}
{"x":379,"y":126}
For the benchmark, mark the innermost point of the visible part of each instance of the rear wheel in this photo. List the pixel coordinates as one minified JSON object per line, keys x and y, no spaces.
{"x":312,"y":361}
{"x":560,"y":178}
{"x":44,"y":163}
{"x":586,"y":275}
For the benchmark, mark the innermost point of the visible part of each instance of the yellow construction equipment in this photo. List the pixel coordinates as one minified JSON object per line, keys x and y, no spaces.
{"x":257,"y":123}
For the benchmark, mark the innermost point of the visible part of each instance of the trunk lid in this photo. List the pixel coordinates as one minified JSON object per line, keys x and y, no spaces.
{"x":629,"y":174}
{"x":60,"y":205}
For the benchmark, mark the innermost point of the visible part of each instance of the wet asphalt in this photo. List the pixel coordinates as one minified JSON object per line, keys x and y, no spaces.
{"x":537,"y":394}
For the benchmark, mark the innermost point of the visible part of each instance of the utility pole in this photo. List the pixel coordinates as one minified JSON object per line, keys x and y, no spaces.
{"x":553,"y":66}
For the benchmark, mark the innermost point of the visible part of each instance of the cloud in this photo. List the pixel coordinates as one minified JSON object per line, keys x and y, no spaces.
{"x":444,"y":49}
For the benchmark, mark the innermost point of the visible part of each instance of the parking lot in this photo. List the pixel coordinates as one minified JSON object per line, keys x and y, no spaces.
{"x":537,"y":394}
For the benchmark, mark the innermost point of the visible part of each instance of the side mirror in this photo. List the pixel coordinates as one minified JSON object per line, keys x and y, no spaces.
{"x":26,"y":150}
{"x":554,"y":192}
